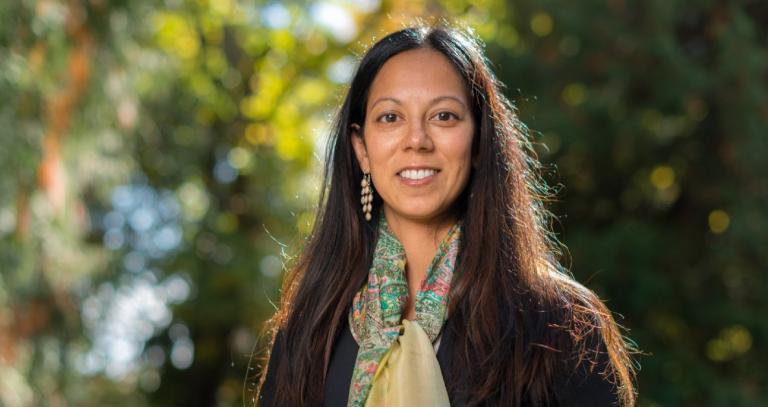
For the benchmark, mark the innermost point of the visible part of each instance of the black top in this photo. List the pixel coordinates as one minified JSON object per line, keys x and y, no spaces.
{"x":582,"y":388}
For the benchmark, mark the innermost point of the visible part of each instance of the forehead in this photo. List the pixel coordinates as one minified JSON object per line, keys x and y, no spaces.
{"x":417,"y":74}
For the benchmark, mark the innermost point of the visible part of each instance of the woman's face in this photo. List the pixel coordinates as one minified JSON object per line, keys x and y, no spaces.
{"x":417,"y":135}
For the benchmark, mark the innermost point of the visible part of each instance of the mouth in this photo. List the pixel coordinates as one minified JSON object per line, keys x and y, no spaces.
{"x":416,"y":174}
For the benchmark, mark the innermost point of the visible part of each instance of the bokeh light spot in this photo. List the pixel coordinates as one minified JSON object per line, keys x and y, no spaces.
{"x":275,"y":15}
{"x":240,"y":158}
{"x":270,"y":266}
{"x":662,"y":176}
{"x":149,"y":381}
{"x":257,"y":134}
{"x":182,"y":353}
{"x":719,"y":220}
{"x":732,"y":342}
{"x":574,"y":94}
{"x":541,"y":24}
{"x":176,"y":36}
{"x":194,"y":200}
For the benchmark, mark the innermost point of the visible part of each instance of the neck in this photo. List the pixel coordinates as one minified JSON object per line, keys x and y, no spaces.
{"x":419,"y":233}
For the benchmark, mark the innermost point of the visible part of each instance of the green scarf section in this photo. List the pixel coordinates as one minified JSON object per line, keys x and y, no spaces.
{"x":375,"y":317}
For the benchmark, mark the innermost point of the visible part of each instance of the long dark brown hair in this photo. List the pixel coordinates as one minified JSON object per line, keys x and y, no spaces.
{"x":518,"y":316}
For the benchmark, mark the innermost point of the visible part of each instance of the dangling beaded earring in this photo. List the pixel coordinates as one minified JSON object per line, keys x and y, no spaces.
{"x":366,"y":195}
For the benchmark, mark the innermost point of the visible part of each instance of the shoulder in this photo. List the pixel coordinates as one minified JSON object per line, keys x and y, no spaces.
{"x":596,"y":368}
{"x":266,"y":393}
{"x":587,"y":381}
{"x":580,"y":309}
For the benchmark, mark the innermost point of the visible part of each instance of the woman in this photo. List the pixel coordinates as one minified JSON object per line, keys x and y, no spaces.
{"x":430,"y":277}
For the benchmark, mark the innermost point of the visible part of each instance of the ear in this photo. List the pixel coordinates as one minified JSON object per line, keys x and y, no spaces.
{"x":361,"y":151}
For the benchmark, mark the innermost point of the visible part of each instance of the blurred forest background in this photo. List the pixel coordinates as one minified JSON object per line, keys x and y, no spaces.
{"x":159,"y":165}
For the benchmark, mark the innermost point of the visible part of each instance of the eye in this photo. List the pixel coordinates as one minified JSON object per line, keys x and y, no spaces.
{"x":445,"y":116}
{"x":387,"y":118}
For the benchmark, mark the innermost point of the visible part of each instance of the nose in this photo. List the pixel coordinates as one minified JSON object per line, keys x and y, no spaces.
{"x":418,"y":137}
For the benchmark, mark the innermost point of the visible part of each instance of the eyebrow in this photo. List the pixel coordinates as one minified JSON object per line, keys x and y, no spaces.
{"x":432,"y":102}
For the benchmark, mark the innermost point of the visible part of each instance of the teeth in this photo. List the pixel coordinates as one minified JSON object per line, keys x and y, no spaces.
{"x":416,"y":174}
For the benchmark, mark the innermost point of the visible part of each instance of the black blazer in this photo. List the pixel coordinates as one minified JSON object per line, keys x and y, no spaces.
{"x":582,"y":388}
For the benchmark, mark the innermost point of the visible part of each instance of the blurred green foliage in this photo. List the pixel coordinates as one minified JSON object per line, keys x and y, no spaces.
{"x":160,"y":162}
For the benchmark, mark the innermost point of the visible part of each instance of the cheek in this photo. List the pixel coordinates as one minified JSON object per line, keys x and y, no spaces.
{"x":377,"y":154}
{"x":378,"y":160}
{"x":459,"y":150}
{"x":381,"y":148}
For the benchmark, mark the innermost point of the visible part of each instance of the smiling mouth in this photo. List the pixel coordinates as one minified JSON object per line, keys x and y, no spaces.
{"x":415,"y":175}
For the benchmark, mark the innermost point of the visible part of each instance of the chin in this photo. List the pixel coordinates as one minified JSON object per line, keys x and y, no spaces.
{"x":418,"y":213}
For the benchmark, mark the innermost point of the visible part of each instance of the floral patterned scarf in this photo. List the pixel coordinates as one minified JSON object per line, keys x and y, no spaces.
{"x":375,"y":317}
